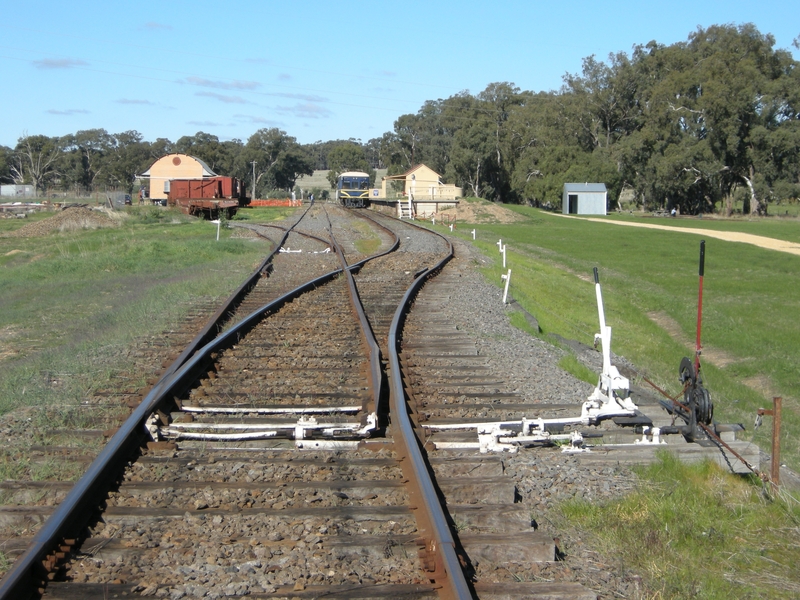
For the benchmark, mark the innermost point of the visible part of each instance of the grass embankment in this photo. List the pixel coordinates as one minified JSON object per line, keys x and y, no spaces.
{"x":70,"y":303}
{"x":694,"y":531}
{"x":649,"y":279}
{"x":690,"y":531}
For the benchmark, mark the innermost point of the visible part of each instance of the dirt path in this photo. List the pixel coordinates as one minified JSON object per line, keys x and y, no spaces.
{"x":728,"y":236}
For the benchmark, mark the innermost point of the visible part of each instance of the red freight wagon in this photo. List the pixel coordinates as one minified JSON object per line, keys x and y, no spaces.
{"x":208,"y":196}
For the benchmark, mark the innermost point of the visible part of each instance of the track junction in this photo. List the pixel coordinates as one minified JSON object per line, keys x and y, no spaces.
{"x":321,"y":437}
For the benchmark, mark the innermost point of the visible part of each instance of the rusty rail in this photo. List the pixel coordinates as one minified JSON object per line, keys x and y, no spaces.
{"x":59,"y":533}
{"x":443,"y":564}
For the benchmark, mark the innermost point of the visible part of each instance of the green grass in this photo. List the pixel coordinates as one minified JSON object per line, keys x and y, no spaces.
{"x":694,"y":531}
{"x":263,"y":214}
{"x":750,"y":304}
{"x":577,"y":369}
{"x":70,"y":303}
{"x":368,"y":242}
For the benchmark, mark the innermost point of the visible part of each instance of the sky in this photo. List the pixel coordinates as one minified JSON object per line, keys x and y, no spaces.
{"x":318,"y":70}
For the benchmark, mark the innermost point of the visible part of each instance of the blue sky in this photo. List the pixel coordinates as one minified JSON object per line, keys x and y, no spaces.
{"x":319,"y":70}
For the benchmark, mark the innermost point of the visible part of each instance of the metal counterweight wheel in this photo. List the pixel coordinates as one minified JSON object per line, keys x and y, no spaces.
{"x":695,"y":396}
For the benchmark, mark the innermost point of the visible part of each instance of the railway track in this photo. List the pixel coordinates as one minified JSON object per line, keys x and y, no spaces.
{"x":238,"y":401}
{"x":292,"y":448}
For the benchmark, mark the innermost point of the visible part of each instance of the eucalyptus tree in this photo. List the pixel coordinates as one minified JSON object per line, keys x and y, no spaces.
{"x":373,"y":151}
{"x":275,"y":158}
{"x":293,"y":163}
{"x":204,"y":146}
{"x":391,"y":154}
{"x":35,"y":160}
{"x":546,"y":144}
{"x":128,"y":156}
{"x":499,"y":101}
{"x":721,"y":112}
{"x":608,"y":99}
{"x":750,"y":105}
{"x":161,"y":147}
{"x":85,"y":157}
{"x":5,"y":164}
{"x":471,"y":154}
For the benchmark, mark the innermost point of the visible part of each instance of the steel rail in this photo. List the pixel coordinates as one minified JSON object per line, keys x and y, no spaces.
{"x":440,"y":544}
{"x":70,"y":517}
{"x":213,"y":326}
{"x":367,"y":331}
{"x":367,"y":335}
{"x":67,"y":521}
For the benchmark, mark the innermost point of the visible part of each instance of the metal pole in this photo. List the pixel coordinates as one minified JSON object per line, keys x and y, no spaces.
{"x":699,"y":308}
{"x":775,"y":461}
{"x":775,"y":464}
{"x":254,"y":179}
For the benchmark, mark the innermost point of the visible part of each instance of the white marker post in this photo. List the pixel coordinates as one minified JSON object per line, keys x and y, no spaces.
{"x":217,"y":221}
{"x":508,"y":281}
{"x":500,"y":245}
{"x":504,"y":256}
{"x":451,"y":228}
{"x":473,"y":235}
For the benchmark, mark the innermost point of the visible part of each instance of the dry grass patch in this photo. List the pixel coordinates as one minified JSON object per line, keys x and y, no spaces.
{"x":475,"y":210}
{"x":71,"y":219}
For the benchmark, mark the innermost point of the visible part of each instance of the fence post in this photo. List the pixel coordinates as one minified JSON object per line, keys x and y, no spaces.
{"x":508,"y":281}
{"x":775,"y":461}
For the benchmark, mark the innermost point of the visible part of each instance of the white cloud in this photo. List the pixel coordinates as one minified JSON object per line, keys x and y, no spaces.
{"x":68,"y":111}
{"x":305,"y":97}
{"x":223,"y":85}
{"x":134,"y":101}
{"x":256,"y":120}
{"x":59,"y":63}
{"x":306,"y":110}
{"x":223,"y":98}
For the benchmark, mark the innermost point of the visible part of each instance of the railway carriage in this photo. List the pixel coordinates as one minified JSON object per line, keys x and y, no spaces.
{"x":208,"y":197}
{"x":352,"y":189}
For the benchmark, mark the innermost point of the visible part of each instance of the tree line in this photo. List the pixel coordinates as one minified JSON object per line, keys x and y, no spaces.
{"x":94,"y":160}
{"x":714,"y":119}
{"x":709,"y":121}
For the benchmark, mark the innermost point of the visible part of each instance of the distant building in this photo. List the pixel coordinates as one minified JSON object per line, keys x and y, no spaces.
{"x":174,"y":166}
{"x":422,"y":188}
{"x":585,"y":199}
{"x":17,"y":191}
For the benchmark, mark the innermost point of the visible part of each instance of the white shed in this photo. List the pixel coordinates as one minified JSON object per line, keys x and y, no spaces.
{"x":584,"y":199}
{"x":17,"y":191}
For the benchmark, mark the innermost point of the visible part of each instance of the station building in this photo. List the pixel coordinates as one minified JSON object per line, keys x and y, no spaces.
{"x":422,"y":193}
